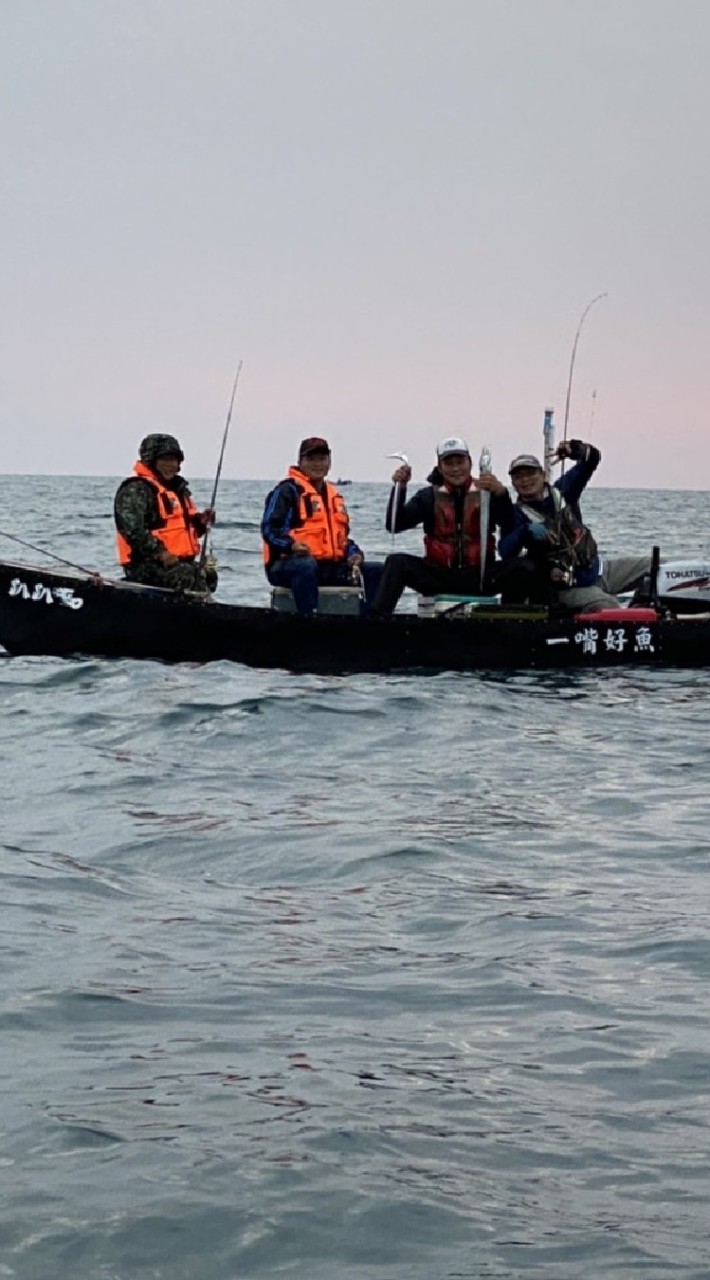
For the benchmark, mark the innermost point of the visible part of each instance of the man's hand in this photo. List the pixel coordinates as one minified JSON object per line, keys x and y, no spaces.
{"x":300,"y":549}
{"x":575,"y":449}
{"x":356,"y":559}
{"x":490,"y":483}
{"x":402,"y":475}
{"x":207,"y":517}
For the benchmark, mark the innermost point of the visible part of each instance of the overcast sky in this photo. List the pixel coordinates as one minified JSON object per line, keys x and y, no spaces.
{"x":393,"y":211}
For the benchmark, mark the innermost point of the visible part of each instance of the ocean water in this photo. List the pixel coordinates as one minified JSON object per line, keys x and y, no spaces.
{"x":364,"y":978}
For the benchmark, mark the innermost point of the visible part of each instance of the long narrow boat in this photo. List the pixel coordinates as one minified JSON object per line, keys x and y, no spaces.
{"x":45,"y":612}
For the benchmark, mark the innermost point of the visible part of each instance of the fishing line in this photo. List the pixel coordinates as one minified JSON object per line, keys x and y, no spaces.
{"x":92,"y":573}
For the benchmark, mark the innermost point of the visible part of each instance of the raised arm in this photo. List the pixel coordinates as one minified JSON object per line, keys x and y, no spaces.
{"x":586,"y":459}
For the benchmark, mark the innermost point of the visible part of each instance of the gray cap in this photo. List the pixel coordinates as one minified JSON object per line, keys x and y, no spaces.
{"x":525,"y":460}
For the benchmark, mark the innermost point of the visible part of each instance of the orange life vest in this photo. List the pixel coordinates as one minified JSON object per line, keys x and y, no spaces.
{"x":456,"y":545}
{"x":323,"y":523}
{"x":175,"y":529}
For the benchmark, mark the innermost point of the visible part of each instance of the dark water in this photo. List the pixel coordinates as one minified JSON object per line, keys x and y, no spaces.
{"x":398,"y":978}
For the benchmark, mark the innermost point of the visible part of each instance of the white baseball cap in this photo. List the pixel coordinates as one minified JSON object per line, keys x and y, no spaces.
{"x":452,"y":445}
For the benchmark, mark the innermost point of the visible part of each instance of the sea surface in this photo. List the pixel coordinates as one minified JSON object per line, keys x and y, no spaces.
{"x":362,"y":978}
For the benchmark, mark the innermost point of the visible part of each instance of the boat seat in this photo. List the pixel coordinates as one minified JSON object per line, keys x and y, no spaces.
{"x":430,"y":606}
{"x":331,"y":600}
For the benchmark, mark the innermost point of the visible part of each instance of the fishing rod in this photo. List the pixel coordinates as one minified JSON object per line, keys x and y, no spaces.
{"x":213,"y":499}
{"x":91,"y":573}
{"x":585,"y":313}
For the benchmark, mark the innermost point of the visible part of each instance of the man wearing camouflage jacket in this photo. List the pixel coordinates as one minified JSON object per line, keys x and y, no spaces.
{"x":158,"y":526}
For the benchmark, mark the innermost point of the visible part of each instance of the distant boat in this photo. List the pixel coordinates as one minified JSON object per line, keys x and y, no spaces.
{"x":341,"y":482}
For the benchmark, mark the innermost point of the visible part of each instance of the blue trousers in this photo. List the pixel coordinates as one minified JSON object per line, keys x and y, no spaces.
{"x":303,"y":575}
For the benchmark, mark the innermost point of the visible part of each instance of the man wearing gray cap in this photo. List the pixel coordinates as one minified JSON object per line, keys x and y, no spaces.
{"x":549,"y":534}
{"x":450,"y":511}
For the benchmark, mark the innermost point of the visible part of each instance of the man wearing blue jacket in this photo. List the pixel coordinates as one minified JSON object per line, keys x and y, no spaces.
{"x":306,"y":533}
{"x":549,"y":531}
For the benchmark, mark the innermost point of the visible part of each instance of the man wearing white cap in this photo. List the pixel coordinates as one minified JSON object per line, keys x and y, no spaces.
{"x":450,"y":511}
{"x":549,"y":534}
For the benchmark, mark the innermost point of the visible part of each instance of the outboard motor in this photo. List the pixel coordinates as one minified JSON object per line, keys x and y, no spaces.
{"x":685,"y":584}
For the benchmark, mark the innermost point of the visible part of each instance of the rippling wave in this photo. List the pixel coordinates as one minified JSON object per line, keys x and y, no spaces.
{"x":376,"y":977}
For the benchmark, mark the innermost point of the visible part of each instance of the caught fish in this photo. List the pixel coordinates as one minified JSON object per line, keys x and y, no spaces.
{"x":484,"y":469}
{"x":548,"y":435}
{"x":402,"y":457}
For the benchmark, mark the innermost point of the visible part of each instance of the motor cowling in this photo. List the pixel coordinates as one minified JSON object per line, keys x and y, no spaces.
{"x":684,"y":580}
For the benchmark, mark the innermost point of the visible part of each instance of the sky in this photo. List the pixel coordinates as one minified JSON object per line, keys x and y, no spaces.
{"x":394,"y":212}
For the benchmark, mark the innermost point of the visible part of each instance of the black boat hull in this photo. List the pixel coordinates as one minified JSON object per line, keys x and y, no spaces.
{"x":45,"y":612}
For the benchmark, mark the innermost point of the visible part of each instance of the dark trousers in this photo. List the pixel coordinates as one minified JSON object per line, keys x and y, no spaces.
{"x":521,"y":581}
{"x":304,"y":574}
{"x":402,"y":570}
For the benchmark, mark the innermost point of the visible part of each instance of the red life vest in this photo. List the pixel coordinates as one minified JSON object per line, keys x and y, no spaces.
{"x":452,"y":545}
{"x":323,"y":523}
{"x":175,"y":531}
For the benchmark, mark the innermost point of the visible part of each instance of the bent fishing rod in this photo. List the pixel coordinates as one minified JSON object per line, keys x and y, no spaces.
{"x":585,"y":313}
{"x":213,"y":499}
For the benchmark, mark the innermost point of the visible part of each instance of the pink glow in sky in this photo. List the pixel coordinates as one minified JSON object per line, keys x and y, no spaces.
{"x":394,"y":211}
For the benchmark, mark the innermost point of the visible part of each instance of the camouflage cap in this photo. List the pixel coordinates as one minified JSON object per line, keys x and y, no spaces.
{"x":157,"y":446}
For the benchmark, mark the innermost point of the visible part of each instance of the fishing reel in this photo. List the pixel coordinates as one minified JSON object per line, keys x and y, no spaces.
{"x":209,"y":569}
{"x":561,"y":562}
{"x":562,"y":575}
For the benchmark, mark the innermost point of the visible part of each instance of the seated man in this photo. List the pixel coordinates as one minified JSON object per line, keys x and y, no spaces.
{"x":549,"y":535}
{"x":306,"y":533}
{"x":158,"y":525}
{"x":450,"y":511}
